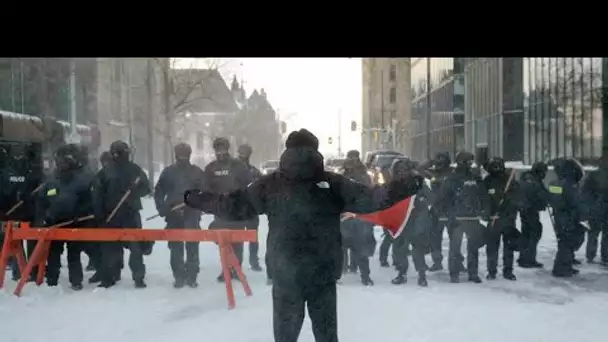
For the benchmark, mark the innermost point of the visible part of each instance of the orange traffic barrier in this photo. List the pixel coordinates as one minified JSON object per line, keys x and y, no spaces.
{"x":15,"y":232}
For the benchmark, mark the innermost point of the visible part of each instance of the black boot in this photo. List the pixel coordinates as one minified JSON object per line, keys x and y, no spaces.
{"x":179,"y":283}
{"x":475,"y":279}
{"x":422,"y":280}
{"x":436,"y":267}
{"x":508,"y":274}
{"x":106,"y":284}
{"x":454,"y":279}
{"x":76,"y":287}
{"x":384,"y":264}
{"x":367,"y":281}
{"x":192,"y":283}
{"x":536,"y":264}
{"x":256,"y":267}
{"x":233,"y":276}
{"x":140,"y":284}
{"x":90,"y":268}
{"x":96,"y":278}
{"x":576,"y":262}
{"x":400,"y":279}
{"x":491,"y":276}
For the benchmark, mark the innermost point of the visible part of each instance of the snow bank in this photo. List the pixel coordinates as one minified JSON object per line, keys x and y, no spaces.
{"x":536,"y":308}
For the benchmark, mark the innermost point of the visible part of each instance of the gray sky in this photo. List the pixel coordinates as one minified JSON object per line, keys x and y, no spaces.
{"x":308,"y":91}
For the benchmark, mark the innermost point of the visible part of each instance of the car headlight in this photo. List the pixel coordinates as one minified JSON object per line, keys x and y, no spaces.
{"x":380,"y":178}
{"x":264,"y":171}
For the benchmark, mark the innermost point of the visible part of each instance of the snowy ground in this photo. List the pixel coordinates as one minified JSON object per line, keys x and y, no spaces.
{"x":536,"y":308}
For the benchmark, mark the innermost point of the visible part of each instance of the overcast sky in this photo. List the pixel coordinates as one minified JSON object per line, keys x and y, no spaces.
{"x":308,"y":93}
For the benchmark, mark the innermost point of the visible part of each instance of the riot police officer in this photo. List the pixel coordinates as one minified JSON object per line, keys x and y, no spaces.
{"x":66,"y":201}
{"x":223,"y":175}
{"x":121,"y":178}
{"x":465,"y":200}
{"x":244,"y":154}
{"x":168,"y":196}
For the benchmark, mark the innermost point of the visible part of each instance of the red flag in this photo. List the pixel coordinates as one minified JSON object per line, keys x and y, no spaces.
{"x":394,"y":218}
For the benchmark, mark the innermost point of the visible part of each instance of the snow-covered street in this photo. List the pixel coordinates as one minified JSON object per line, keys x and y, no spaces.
{"x":536,"y":308}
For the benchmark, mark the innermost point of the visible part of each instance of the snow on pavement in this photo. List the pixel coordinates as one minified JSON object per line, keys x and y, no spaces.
{"x":536,"y":308}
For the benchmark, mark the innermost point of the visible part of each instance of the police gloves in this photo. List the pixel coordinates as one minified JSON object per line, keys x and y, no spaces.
{"x":198,"y":199}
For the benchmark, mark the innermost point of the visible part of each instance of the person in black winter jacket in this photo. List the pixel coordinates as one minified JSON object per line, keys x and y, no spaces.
{"x":20,"y":180}
{"x":569,"y":215}
{"x":503,"y":194}
{"x":244,"y":155}
{"x":112,"y":183}
{"x":168,"y":196}
{"x":303,"y":204}
{"x":465,"y":201}
{"x":437,"y":171}
{"x":66,"y":197}
{"x":416,"y":231}
{"x":224,"y":175}
{"x":595,"y":195}
{"x":534,"y":196}
{"x":354,"y":169}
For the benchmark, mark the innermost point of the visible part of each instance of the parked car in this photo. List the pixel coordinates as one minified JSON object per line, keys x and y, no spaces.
{"x":378,"y":164}
{"x":269,"y":166}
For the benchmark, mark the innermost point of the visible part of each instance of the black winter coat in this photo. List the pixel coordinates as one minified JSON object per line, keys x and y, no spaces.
{"x":174,"y":180}
{"x":64,"y":197}
{"x":595,"y":195}
{"x":464,"y":194}
{"x":111,"y":184}
{"x":533,"y":193}
{"x":303,"y":204}
{"x":505,"y":205}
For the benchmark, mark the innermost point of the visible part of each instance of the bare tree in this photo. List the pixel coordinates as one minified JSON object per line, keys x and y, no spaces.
{"x":181,"y":92}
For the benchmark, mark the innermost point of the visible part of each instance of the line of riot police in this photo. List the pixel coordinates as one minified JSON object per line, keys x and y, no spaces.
{"x":484,"y":209}
{"x":112,"y":198}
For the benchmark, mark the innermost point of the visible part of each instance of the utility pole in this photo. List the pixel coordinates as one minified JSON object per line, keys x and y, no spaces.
{"x":150,"y":121}
{"x":74,"y":131}
{"x":339,"y":132}
{"x":382,"y":106}
{"x":429,"y":110}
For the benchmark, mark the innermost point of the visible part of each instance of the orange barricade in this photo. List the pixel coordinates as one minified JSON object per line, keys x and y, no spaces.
{"x":15,"y":232}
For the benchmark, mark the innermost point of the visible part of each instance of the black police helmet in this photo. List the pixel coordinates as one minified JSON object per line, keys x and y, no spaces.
{"x":221,"y":143}
{"x":182,"y":150}
{"x":245,"y":150}
{"x":464,"y":157}
{"x":495,"y":165}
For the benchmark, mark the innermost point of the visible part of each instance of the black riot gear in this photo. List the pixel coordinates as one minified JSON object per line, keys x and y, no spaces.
{"x":183,"y":152}
{"x":245,"y":152}
{"x":495,"y":166}
{"x":221,"y":146}
{"x":68,"y":157}
{"x":464,"y":160}
{"x":442,"y":160}
{"x":119,"y":150}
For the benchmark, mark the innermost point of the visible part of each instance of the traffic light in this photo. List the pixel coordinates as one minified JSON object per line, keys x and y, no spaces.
{"x":353,"y":125}
{"x":329,"y":140}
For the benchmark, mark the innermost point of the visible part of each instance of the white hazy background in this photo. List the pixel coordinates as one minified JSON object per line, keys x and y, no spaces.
{"x":305,"y":92}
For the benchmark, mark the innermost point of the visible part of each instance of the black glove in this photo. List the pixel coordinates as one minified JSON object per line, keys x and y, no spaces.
{"x":198,"y":199}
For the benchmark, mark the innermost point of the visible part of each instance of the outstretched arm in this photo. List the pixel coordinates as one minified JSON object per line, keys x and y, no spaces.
{"x":358,"y":198}
{"x":238,"y":205}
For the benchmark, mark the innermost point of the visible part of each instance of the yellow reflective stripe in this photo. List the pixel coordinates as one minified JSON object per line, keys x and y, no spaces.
{"x":554,"y":189}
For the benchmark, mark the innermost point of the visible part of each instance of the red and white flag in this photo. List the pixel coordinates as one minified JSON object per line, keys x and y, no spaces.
{"x":394,"y":218}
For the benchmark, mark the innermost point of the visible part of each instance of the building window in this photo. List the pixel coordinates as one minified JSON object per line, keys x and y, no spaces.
{"x":392,"y":74}
{"x":393,"y":95}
